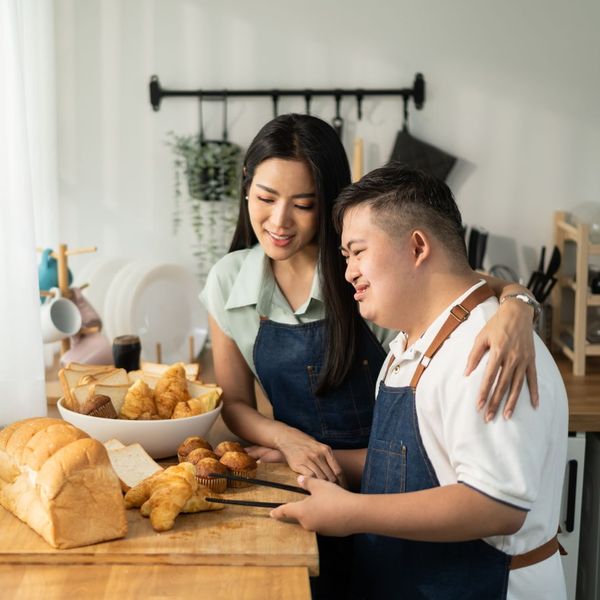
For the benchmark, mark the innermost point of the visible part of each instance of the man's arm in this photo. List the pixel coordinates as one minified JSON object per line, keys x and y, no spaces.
{"x":451,"y":513}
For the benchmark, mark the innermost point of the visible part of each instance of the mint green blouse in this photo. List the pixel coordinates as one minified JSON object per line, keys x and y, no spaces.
{"x":241,"y":288}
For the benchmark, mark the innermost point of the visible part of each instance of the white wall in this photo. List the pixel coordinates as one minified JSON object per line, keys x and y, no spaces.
{"x":513,"y":89}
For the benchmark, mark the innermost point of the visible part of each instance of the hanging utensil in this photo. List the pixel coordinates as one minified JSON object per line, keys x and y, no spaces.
{"x":338,"y":122}
{"x":275,"y":98}
{"x":418,"y":154}
{"x":307,"y":101}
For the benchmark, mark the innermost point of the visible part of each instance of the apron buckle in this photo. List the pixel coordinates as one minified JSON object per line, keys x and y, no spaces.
{"x":455,"y":311}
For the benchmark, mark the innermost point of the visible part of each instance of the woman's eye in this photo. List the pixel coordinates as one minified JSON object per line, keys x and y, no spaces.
{"x":266,"y":200}
{"x":305,"y":206}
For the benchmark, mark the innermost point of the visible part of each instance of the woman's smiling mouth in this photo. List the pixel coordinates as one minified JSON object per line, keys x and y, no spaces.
{"x":361,"y":291}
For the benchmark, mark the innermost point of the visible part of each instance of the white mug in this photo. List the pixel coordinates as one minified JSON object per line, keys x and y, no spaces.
{"x":60,"y":318}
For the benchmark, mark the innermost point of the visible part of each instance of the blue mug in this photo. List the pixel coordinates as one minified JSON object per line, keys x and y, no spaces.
{"x":48,"y":272}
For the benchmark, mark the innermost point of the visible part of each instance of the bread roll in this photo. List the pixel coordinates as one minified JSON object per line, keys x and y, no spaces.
{"x":59,"y":481}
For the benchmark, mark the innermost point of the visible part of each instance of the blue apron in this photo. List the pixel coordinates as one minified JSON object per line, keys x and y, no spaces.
{"x":389,"y":568}
{"x":288,"y":360}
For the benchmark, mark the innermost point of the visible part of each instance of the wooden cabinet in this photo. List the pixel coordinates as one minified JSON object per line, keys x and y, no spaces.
{"x":571,"y":297}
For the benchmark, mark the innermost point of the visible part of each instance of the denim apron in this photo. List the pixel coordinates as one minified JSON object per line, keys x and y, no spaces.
{"x":288,"y":360}
{"x":397,"y":462}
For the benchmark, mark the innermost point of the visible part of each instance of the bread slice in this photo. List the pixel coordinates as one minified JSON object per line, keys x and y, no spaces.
{"x":82,"y":393}
{"x":192,"y":370}
{"x":114,"y":377}
{"x":113,"y":444}
{"x":70,"y":378}
{"x":74,"y":366}
{"x":132,"y":464}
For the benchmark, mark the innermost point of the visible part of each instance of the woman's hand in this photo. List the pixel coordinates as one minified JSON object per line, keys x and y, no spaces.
{"x":508,"y":336}
{"x":265,"y":455}
{"x":306,"y":456}
{"x":328,"y":509}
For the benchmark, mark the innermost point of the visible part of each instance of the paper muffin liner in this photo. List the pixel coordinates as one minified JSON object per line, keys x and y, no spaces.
{"x":106,"y":411}
{"x":240,"y":484}
{"x":213,"y":483}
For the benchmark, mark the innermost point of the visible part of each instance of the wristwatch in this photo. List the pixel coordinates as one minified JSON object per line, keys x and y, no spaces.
{"x":527,"y":299}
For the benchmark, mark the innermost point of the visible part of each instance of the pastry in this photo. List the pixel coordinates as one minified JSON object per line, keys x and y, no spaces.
{"x":189,"y":444}
{"x":241,"y":464}
{"x":204,"y":468}
{"x":228,"y":447}
{"x":164,"y":495}
{"x":100,"y":405}
{"x":170,"y":389}
{"x":139,"y":402}
{"x":199,"y":453}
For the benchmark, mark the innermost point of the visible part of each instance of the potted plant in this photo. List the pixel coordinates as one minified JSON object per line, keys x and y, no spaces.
{"x":210,"y":170}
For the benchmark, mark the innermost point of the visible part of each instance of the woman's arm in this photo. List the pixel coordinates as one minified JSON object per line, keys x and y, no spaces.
{"x":302,"y":452}
{"x":509,"y":338}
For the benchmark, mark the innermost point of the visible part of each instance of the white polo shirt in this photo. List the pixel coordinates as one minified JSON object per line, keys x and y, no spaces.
{"x":520,"y":461}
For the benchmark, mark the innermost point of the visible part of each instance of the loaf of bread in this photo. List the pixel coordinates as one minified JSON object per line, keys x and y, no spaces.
{"x":59,"y":481}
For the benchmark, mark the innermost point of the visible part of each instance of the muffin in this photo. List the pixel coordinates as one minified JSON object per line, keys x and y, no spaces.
{"x":206,"y":466}
{"x":189,"y":444}
{"x":199,"y":453}
{"x":228,"y":447}
{"x":100,"y":406}
{"x":240,"y":464}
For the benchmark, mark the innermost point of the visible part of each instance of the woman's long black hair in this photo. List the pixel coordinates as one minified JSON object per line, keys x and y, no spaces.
{"x":309,"y":139}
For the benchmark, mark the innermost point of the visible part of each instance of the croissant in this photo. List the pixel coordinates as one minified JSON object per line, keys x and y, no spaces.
{"x":139,"y":402}
{"x":197,"y":503}
{"x":170,"y":389}
{"x":197,"y":406}
{"x":164,"y":495}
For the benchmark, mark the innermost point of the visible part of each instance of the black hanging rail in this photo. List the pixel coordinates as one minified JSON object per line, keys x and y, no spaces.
{"x":416,"y":92}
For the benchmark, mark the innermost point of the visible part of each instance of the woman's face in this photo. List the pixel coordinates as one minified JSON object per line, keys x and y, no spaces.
{"x":283,"y":208}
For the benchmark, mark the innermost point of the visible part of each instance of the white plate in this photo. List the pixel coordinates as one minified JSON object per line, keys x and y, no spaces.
{"x":125,"y":295}
{"x":111,"y":318}
{"x":164,"y":308}
{"x":99,"y":276}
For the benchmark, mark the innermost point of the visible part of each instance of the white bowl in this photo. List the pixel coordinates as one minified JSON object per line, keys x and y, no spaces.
{"x":159,"y":438}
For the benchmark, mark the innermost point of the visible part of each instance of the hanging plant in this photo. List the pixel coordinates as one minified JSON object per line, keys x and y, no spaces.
{"x":207,"y":174}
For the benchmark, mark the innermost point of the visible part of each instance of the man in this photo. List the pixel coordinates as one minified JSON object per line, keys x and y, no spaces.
{"x":435,"y":471}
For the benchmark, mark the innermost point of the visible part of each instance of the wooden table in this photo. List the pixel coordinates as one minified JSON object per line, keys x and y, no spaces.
{"x":583,"y":392}
{"x":237,"y":552}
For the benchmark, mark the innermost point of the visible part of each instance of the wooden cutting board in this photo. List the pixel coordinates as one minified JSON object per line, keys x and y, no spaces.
{"x":232,"y":536}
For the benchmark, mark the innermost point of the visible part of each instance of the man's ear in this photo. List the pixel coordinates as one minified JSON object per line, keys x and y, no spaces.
{"x":420,"y":246}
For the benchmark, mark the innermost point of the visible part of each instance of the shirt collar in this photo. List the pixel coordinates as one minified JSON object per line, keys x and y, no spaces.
{"x":398,"y":344}
{"x":256,"y":285}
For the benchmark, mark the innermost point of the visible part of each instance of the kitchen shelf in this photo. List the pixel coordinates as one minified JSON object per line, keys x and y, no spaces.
{"x":580,"y":348}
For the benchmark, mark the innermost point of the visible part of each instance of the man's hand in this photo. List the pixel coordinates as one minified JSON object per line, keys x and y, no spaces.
{"x":328,"y":510}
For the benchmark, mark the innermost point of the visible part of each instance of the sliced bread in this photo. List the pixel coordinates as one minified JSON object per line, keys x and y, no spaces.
{"x":132,"y":464}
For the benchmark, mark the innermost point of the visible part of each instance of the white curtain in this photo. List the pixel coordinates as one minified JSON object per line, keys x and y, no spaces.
{"x":28,"y":186}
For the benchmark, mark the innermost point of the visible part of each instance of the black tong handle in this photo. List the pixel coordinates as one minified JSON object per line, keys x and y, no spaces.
{"x":273,"y":484}
{"x":245,"y":502}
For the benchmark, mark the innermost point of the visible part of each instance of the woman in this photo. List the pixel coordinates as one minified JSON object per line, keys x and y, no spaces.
{"x":275,"y":316}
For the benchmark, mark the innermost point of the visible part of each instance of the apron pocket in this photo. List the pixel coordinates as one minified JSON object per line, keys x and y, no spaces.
{"x":385,"y":471}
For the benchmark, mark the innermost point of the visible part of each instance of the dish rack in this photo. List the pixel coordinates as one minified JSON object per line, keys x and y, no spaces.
{"x":570,"y":322}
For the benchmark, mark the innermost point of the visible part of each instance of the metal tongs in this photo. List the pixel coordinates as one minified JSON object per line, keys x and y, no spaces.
{"x":263,"y":482}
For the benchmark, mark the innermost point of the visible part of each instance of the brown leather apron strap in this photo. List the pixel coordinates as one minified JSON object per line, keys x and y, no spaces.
{"x":458,"y":314}
{"x":518,"y":561}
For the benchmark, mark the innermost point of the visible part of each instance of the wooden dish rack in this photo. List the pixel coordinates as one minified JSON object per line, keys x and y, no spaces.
{"x":569,"y":327}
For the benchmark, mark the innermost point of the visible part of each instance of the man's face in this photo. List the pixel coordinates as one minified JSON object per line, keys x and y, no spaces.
{"x":378,"y":267}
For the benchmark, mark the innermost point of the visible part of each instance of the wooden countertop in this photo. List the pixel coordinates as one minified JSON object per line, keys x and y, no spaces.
{"x":57,"y":582}
{"x":583,"y":393}
{"x":234,"y":536}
